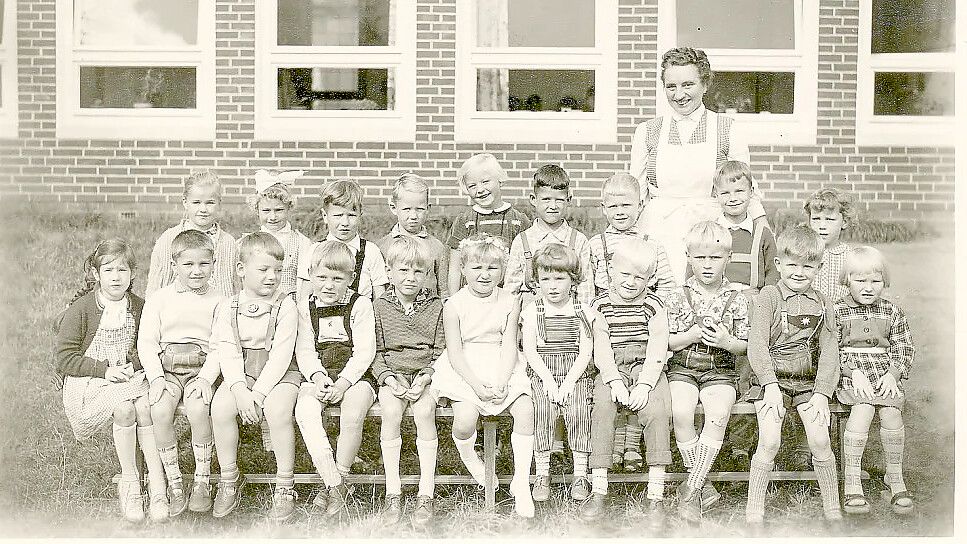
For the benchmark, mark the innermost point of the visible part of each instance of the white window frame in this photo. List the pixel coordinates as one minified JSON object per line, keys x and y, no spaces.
{"x":142,"y":123}
{"x":897,"y":129}
{"x":599,"y":126}
{"x":8,"y":62}
{"x":396,"y":125}
{"x":797,"y":128}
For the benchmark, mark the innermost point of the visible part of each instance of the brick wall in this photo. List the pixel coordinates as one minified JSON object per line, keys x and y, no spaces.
{"x":899,"y":182}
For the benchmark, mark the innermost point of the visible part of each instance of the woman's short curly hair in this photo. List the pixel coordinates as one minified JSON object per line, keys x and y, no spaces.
{"x":683,"y":56}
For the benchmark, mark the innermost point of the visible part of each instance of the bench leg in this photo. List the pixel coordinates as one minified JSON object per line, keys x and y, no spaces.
{"x":490,"y":461}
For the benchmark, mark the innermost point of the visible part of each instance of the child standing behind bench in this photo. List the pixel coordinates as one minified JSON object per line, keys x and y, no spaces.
{"x":480,"y":370}
{"x":830,"y":211}
{"x":793,"y":353}
{"x":410,"y":203}
{"x":176,"y":325}
{"x":556,"y":335}
{"x":337,"y":338}
{"x":630,"y":347}
{"x":252,"y":342}
{"x":708,"y":327}
{"x":273,"y":204}
{"x":409,"y":338}
{"x":876,"y":352}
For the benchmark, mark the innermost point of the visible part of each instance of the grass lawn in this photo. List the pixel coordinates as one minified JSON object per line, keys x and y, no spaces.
{"x":53,"y":485}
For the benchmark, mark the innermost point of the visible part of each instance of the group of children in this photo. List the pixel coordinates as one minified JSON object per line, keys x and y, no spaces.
{"x":533,"y":319}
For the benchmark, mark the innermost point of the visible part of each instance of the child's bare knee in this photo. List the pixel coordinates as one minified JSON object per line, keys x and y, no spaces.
{"x":196,"y":409}
{"x":278,"y":413}
{"x":124,"y":414}
{"x":891,"y":418}
{"x":143,"y":410}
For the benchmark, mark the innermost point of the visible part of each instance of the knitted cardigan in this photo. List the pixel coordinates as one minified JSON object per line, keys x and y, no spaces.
{"x":77,"y":330}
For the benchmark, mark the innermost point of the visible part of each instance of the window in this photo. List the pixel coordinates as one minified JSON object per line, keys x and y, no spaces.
{"x":8,"y":69}
{"x":136,"y":69}
{"x":765,"y":74}
{"x":531,"y":70}
{"x":336,"y":70}
{"x":905,"y":80}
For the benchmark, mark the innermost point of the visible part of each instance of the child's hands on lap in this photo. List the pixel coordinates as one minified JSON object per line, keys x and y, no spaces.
{"x":500,"y":393}
{"x":551,"y":388}
{"x":771,"y":401}
{"x":565,"y":392}
{"x":887,"y":386}
{"x":417,"y":388}
{"x":323,"y":384}
{"x":396,"y":386}
{"x":119,"y":373}
{"x":816,"y":410}
{"x":862,"y":387}
{"x":337,"y":391}
{"x":483,"y":391}
{"x":638,"y":397}
{"x":619,"y":393}
{"x":717,"y":336}
{"x":199,"y":388}
{"x":248,"y":410}
{"x":694,"y":334}
{"x":157,"y":388}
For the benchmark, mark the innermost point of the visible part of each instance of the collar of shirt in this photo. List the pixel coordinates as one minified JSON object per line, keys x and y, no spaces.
{"x":745,"y":225}
{"x":344,"y":300}
{"x":542,"y":231}
{"x":693,"y":284}
{"x":254,"y":306}
{"x":180,"y":287}
{"x":352,"y":244}
{"x":838,"y":249}
{"x":503,"y":207}
{"x":633,"y":231}
{"x":693,"y":117}
{"x":422,"y":299}
{"x":787,"y":293}
{"x":281,"y":232}
{"x":398,"y":231}
{"x":212,"y":230}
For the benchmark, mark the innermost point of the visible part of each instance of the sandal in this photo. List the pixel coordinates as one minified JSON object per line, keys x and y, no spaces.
{"x":856,"y":504}
{"x":901,"y":509}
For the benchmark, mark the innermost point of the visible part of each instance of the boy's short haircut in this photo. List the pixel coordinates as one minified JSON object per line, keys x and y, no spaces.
{"x":412,"y":183}
{"x":830,"y":198}
{"x":334,"y":255}
{"x":557,"y":258}
{"x":552,"y":176}
{"x":342,"y":192}
{"x":639,"y":253}
{"x":191,"y":239}
{"x":408,"y":250}
{"x":864,"y":259}
{"x":201,"y":179}
{"x":259,"y":242}
{"x":732,"y":171}
{"x":800,"y":242}
{"x":621,"y":183}
{"x":483,"y":247}
{"x":481,"y":161}
{"x":708,"y":234}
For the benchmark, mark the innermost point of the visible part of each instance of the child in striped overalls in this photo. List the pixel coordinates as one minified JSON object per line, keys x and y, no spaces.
{"x":273,"y":203}
{"x":558,"y":345}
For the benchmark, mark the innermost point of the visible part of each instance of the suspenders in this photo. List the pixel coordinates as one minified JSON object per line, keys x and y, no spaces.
{"x":754,"y":257}
{"x":360,"y":257}
{"x":270,"y":328}
{"x":529,"y":280}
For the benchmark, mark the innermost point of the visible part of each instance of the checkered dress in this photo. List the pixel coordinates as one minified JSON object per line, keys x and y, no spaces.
{"x":882,"y":326}
{"x":827,"y":278}
{"x":89,"y":402}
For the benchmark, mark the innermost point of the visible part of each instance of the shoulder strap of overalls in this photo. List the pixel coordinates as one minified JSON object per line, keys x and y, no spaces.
{"x":728,"y":304}
{"x":604,"y":249}
{"x":572,"y":239}
{"x":314,"y":319}
{"x":756,"y":257}
{"x":476,"y":222}
{"x":579,"y":312}
{"x":783,"y":313}
{"x":360,"y":258}
{"x":821,"y":320}
{"x":238,"y":337}
{"x":274,"y":319}
{"x":347,"y":316}
{"x":539,"y":306}
{"x":528,"y":261}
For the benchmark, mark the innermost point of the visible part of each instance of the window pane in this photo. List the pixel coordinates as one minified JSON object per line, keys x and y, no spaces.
{"x":913,"y":93}
{"x":336,"y":22}
{"x":912,"y":26}
{"x":752,"y":92}
{"x":336,"y":89}
{"x":535,"y":23}
{"x":136,"y":22}
{"x":736,"y":24}
{"x":137,"y":87}
{"x":502,"y":89}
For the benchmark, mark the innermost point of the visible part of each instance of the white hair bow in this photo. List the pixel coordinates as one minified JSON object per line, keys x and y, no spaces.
{"x":264,"y":180}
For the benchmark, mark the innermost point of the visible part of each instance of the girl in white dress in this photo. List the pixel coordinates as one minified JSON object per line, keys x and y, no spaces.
{"x":481,"y":371}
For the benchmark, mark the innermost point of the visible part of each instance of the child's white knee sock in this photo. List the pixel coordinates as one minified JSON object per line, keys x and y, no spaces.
{"x":580,"y":463}
{"x":853,"y":446}
{"x":126,"y":445}
{"x":427,"y":450}
{"x":687,"y":450}
{"x":391,"y":464}
{"x":523,"y":445}
{"x":656,"y":482}
{"x":169,"y":458}
{"x":599,"y":481}
{"x":203,"y":460}
{"x":471,"y":460}
{"x":893,"y":440}
{"x":759,"y":472}
{"x":152,"y":459}
{"x":828,"y":486}
{"x":542,"y":463}
{"x":705,"y":455}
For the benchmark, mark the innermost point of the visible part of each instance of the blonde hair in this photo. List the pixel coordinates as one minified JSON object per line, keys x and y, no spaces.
{"x":708,"y":234}
{"x":557,"y":258}
{"x":342,"y":192}
{"x":277,"y":191}
{"x":641,"y":254}
{"x":864,"y":259}
{"x":732,"y":171}
{"x":481,"y":162}
{"x":408,"y":250}
{"x":334,"y":255}
{"x":412,"y":183}
{"x":830,"y":198}
{"x":259,"y":242}
{"x":483,"y":247}
{"x":205,"y":178}
{"x":619,"y":184}
{"x":191,"y":239}
{"x":800,"y":242}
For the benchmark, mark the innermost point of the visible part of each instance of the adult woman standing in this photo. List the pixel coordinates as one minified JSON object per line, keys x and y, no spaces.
{"x":675,"y":156}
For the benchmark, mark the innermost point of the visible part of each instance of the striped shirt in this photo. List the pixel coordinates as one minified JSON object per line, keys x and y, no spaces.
{"x":627,"y":322}
{"x":224,"y":280}
{"x":663,"y":282}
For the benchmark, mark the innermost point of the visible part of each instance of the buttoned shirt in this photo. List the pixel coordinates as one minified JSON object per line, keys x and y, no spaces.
{"x":539,"y":235}
{"x":374,"y":267}
{"x":436,"y":278}
{"x":827,"y":279}
{"x":662,"y":283}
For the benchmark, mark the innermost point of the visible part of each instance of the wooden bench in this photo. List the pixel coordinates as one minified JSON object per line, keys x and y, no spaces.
{"x":837,"y":411}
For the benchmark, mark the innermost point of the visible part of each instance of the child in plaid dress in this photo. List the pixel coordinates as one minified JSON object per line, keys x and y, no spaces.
{"x":556,"y":335}
{"x":273,"y":203}
{"x":103,"y":379}
{"x":876,"y":352}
